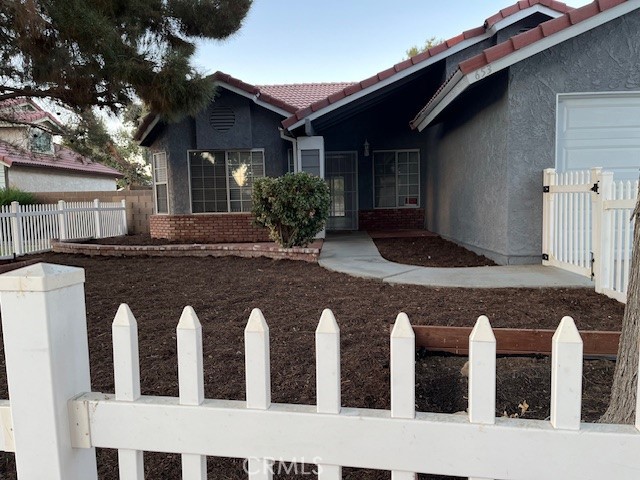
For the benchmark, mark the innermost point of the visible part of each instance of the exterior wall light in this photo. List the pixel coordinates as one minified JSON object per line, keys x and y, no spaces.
{"x":366,"y":148}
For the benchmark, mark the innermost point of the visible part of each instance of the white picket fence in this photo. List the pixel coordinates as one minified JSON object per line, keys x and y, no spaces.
{"x":53,"y":425}
{"x":587,"y":227}
{"x":28,"y":229}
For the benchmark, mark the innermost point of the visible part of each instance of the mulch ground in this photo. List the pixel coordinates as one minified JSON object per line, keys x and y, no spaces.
{"x":292,"y":296}
{"x":431,"y":251}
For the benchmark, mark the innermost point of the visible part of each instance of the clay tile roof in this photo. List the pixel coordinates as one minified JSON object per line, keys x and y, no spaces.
{"x":423,"y":56}
{"x":536,"y":34}
{"x":62,"y":159}
{"x":9,"y":110}
{"x":519,"y":41}
{"x":522,"y":5}
{"x":301,"y":95}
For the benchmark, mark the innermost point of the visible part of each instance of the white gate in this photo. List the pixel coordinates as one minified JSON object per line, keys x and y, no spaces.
{"x":587,"y":227}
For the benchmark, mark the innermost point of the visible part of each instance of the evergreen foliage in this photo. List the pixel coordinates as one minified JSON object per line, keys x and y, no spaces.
{"x":109,"y":53}
{"x":10,"y":194}
{"x":294,"y":207}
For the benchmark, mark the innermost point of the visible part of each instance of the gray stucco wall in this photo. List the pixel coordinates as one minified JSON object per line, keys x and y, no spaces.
{"x":255,"y":127}
{"x":466,"y":175}
{"x":386,"y":127}
{"x":602,"y":60}
{"x":488,"y":151}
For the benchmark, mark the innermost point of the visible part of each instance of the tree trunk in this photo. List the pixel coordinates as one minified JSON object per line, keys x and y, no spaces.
{"x":622,"y":405}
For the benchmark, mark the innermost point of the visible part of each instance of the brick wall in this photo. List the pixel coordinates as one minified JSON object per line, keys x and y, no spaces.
{"x":210,"y":228}
{"x":139,"y":204}
{"x":391,"y":219}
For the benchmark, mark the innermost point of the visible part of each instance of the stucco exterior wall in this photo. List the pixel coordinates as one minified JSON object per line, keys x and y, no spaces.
{"x":466,"y":176}
{"x":255,"y":127}
{"x":48,"y":180}
{"x":601,"y":60}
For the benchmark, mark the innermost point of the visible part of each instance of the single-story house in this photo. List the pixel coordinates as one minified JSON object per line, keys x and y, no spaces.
{"x":453,"y":140}
{"x":31,"y":161}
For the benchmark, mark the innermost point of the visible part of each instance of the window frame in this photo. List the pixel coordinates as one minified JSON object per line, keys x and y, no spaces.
{"x":227,"y":189}
{"x":373,"y":172}
{"x":156,"y":183}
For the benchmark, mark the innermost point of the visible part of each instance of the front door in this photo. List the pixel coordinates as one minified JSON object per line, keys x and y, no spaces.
{"x":341,"y":174}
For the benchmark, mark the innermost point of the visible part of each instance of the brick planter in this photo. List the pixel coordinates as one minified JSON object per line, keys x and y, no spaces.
{"x":391,"y":219}
{"x":269,"y":250}
{"x":208,"y":228}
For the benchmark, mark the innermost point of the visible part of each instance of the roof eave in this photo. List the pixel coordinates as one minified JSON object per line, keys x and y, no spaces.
{"x":505,"y":22}
{"x":457,"y":84}
{"x":440,"y":102}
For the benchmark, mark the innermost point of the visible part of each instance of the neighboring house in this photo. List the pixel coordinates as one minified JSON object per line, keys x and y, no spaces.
{"x":31,"y":161}
{"x":453,"y":140}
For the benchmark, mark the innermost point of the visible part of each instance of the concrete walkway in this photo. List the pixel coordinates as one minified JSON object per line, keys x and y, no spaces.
{"x":355,"y":254}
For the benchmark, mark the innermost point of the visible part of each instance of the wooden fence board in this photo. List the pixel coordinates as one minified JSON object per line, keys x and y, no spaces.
{"x":512,"y":341}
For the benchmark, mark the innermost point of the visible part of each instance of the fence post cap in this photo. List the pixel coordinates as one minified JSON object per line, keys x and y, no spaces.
{"x":482,"y":331}
{"x":327,"y":323}
{"x":402,"y":328}
{"x":567,"y":332}
{"x":41,"y":277}
{"x":188,"y":320}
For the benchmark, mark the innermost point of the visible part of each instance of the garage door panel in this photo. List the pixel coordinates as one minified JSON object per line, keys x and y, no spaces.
{"x":600,"y":130}
{"x":604,"y":133}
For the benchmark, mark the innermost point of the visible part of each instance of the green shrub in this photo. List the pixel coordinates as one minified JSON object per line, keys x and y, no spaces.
{"x":11,"y":194}
{"x":294,"y":207}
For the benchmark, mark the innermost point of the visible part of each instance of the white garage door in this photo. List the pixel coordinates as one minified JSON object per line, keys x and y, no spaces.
{"x":601,"y":130}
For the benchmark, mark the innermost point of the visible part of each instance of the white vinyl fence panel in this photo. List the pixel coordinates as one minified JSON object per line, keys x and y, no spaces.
{"x":26,"y":229}
{"x":587,"y":227}
{"x":53,"y":425}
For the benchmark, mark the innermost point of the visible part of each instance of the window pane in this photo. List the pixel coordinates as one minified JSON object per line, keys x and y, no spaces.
{"x":208,"y":181}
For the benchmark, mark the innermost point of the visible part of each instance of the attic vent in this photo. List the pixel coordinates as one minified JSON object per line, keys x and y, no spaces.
{"x":222,"y":118}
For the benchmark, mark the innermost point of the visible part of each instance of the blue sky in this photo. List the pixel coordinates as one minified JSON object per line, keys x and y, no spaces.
{"x":296,"y":41}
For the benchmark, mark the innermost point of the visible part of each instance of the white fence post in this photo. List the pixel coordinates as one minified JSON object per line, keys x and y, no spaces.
{"x":47,"y":361}
{"x":403,"y":377}
{"x":16,"y":228}
{"x":191,"y":382}
{"x":96,"y":218}
{"x":548,"y":215}
{"x":604,"y":266}
{"x":482,"y":375}
{"x":62,"y":220}
{"x":258,"y":378}
{"x":566,"y":376}
{"x":328,"y":389}
{"x":126,"y":374}
{"x":125,"y":226}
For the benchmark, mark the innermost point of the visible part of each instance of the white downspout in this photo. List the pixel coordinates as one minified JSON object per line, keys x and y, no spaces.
{"x":294,"y":142}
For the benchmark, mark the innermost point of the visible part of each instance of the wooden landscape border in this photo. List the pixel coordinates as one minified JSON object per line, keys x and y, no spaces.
{"x":512,"y":341}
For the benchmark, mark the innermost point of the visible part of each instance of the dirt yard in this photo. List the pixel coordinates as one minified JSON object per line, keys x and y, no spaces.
{"x":432,"y":251}
{"x":292,"y":296}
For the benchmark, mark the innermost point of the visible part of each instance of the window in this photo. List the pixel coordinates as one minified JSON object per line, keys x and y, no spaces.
{"x":160,"y":182}
{"x":222,"y":181}
{"x":396,"y":178}
{"x":41,"y":141}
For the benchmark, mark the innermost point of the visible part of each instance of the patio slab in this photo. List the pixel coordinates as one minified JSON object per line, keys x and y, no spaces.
{"x":355,"y":254}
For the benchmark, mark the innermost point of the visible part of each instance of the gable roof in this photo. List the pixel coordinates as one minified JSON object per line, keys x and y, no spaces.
{"x":505,"y":17}
{"x":282,"y":99}
{"x":11,"y":111}
{"x":518,"y":48}
{"x":62,"y":159}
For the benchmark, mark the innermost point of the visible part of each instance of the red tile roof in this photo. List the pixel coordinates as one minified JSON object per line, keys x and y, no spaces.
{"x":536,"y":34}
{"x":301,"y":95}
{"x":63,"y":159}
{"x":303,"y":99}
{"x":519,"y":41}
{"x":9,"y":110}
{"x":421,"y":57}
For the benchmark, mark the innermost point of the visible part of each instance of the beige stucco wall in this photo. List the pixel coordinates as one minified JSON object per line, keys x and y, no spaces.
{"x":48,"y":180}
